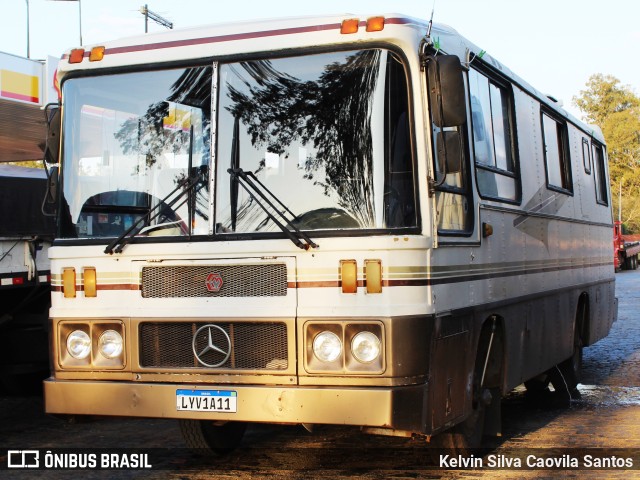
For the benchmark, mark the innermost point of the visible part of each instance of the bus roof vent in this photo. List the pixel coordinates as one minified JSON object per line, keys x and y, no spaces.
{"x":555,"y":100}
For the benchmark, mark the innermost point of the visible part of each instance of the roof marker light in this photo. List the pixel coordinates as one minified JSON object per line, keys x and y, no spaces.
{"x":97,"y":54}
{"x":76,"y":55}
{"x":350,"y":25}
{"x":375,"y":24}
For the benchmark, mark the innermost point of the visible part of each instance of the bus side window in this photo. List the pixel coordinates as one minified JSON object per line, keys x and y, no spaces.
{"x":600,"y":173}
{"x":586,"y":156}
{"x":493,"y":137}
{"x":556,"y":153}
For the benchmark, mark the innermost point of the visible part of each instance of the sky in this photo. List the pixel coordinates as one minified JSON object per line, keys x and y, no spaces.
{"x":555,"y":45}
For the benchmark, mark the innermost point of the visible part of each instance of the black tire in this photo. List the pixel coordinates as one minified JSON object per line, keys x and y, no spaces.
{"x":565,"y":376}
{"x":538,"y":384}
{"x":206,"y":437}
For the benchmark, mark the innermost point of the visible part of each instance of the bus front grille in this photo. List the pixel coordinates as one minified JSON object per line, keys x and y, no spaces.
{"x":180,"y":281}
{"x":250,"y":346}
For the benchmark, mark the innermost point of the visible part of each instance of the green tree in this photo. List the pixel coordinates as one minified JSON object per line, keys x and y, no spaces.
{"x":28,"y":163}
{"x":615,"y":108}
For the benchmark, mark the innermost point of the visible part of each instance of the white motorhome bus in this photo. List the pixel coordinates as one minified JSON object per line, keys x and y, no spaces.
{"x":322,"y":220}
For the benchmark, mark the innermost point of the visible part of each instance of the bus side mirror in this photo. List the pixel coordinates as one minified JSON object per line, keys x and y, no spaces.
{"x":446,"y":91}
{"x":449,"y":147}
{"x":52,"y":185}
{"x":52,"y":147}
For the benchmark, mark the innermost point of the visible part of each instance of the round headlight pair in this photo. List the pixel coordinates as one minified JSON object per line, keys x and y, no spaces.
{"x":365,"y":346}
{"x":79,"y":344}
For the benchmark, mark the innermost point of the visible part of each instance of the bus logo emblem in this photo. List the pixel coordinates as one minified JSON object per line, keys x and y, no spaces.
{"x":215,"y":353}
{"x":213,"y":282}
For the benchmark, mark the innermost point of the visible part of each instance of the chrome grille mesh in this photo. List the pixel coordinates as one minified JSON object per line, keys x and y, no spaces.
{"x":266,"y":280}
{"x":254,"y":346}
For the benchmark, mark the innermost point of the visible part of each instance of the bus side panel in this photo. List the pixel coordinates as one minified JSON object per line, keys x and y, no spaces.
{"x":539,"y":331}
{"x":603,"y":308}
{"x":450,"y":364}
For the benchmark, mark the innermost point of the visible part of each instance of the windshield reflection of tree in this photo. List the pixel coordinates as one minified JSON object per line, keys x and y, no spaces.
{"x":147,"y":135}
{"x":333,"y":114}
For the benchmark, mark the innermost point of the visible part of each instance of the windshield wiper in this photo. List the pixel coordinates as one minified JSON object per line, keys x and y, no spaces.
{"x":196,"y":176}
{"x":251,"y":185}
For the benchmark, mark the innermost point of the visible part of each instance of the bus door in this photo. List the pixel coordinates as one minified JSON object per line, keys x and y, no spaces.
{"x":454,"y":230}
{"x":451,"y":182}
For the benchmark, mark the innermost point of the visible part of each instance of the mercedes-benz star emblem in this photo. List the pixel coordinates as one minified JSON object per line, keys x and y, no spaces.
{"x":211,"y":351}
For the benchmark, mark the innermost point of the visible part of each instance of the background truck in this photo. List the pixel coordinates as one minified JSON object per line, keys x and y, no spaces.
{"x":25,"y":280}
{"x":626,"y":249}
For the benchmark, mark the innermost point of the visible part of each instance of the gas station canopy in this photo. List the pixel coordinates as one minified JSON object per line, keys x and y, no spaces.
{"x":26,"y":86}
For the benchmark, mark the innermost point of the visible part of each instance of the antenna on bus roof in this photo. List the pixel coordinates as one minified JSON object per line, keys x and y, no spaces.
{"x":433,"y":9}
{"x":426,"y":41}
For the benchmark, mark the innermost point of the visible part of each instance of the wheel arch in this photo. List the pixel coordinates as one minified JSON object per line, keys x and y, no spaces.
{"x":492,"y":335}
{"x":582,"y":322}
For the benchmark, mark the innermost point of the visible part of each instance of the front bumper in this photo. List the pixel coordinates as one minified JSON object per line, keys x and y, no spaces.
{"x":401,"y":408}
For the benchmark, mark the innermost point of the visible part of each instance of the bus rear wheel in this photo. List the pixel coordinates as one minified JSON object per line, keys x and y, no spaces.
{"x":564,"y":376}
{"x":208,"y":437}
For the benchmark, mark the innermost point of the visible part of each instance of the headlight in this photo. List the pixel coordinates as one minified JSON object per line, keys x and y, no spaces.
{"x":327,"y":346}
{"x":110,"y":344}
{"x":79,"y":344}
{"x":365,"y":347}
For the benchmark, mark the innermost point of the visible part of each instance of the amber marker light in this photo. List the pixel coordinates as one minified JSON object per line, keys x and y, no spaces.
{"x":350,"y":25}
{"x":69,"y":282}
{"x":373,"y":275}
{"x":375,"y":24}
{"x":97,"y":54}
{"x":76,"y":55}
{"x":349,"y":276}
{"x":90,"y":283}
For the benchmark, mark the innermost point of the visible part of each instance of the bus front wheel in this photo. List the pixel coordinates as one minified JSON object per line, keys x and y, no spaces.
{"x":208,"y":437}
{"x":486,"y":397}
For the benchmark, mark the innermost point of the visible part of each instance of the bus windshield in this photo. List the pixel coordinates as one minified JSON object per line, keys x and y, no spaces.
{"x":327,"y":134}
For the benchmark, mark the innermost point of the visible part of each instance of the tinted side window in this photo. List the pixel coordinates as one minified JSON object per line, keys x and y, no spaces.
{"x":600,"y":175}
{"x":586,"y":156}
{"x":556,"y":153}
{"x":493,"y":137}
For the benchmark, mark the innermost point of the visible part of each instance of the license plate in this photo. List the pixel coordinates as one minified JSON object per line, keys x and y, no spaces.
{"x":225,"y":401}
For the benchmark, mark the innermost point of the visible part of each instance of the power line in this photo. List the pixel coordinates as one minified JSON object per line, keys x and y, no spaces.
{"x":148,"y":14}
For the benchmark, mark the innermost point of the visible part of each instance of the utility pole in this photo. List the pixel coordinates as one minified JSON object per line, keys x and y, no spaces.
{"x":28,"y":40}
{"x":148,"y":14}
